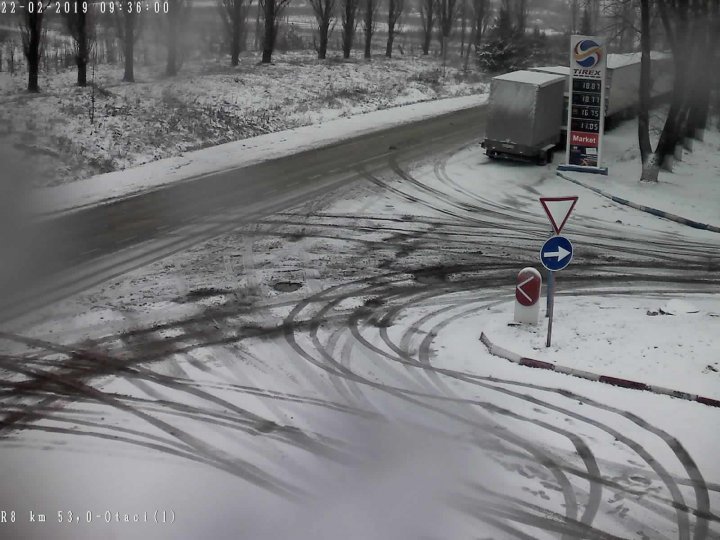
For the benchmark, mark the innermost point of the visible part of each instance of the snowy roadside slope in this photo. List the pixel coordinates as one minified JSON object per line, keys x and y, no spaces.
{"x":123,"y":125}
{"x":691,"y":191}
{"x":119,"y":184}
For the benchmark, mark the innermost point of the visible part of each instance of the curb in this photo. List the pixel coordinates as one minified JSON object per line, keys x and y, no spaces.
{"x":648,"y":209}
{"x":500,"y":352}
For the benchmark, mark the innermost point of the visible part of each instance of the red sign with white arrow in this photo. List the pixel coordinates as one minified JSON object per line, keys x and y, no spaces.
{"x":558,"y":210}
{"x":527,"y":291}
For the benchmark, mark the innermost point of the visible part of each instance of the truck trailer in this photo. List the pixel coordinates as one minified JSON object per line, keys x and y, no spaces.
{"x":565,"y":72}
{"x":525,"y":116}
{"x":623,"y":83}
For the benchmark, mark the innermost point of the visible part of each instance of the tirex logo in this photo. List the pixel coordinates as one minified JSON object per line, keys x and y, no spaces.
{"x":584,"y":139}
{"x":587,"y":53}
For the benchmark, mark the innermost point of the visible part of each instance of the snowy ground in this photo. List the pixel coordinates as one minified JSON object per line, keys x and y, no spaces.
{"x":691,"y":190}
{"x":658,"y":340}
{"x":318,"y":374}
{"x":207,"y":104}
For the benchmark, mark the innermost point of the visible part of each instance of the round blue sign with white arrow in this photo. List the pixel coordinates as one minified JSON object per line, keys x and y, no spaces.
{"x":556,"y":253}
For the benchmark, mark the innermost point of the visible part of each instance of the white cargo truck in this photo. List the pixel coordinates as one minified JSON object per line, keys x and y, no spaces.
{"x":525,"y":116}
{"x":565,"y":72}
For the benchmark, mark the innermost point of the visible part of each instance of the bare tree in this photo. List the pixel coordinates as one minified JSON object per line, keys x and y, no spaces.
{"x":368,"y":21}
{"x":258,"y":25}
{"x":324,"y":11}
{"x":349,"y":24}
{"x":574,"y":8}
{"x":480,"y":14}
{"x":622,"y":29}
{"x":81,"y":27}
{"x":644,"y":98}
{"x":586,"y":26}
{"x":128,"y":28}
{"x":706,"y":31}
{"x":686,"y":27}
{"x":428,"y":9}
{"x":447,"y":13}
{"x":178,"y":13}
{"x":463,"y":25}
{"x":395,"y":11}
{"x":521,"y":12}
{"x":272,"y":9}
{"x":233,"y":14}
{"x":31,"y":31}
{"x":590,"y":16}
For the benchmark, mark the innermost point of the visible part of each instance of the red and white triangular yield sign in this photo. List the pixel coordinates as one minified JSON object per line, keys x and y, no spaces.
{"x":558,"y":210}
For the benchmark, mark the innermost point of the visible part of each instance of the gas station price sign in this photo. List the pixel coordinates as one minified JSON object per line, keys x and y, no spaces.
{"x":587,"y":101}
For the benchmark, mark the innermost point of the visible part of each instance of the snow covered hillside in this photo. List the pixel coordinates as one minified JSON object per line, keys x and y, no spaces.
{"x":207,"y":104}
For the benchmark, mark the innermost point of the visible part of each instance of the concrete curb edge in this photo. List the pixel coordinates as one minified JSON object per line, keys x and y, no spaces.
{"x":606,"y":379}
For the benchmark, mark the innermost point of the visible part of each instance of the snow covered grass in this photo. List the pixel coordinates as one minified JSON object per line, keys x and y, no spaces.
{"x":658,"y":340}
{"x":120,"y":184}
{"x":207,"y":104}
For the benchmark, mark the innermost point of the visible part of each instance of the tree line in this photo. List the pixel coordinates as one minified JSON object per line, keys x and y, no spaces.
{"x":358,"y":21}
{"x":690,"y":28}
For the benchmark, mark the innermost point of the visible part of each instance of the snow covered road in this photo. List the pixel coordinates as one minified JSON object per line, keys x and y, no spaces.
{"x":314,"y":372}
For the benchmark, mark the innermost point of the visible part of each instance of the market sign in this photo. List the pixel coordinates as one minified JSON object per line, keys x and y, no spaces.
{"x":586,"y":111}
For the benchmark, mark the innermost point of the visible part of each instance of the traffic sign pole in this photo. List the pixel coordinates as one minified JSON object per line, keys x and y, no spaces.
{"x":557,"y":251}
{"x":549,"y":285}
{"x":551,"y":305}
{"x":550,"y":280}
{"x":555,"y":255}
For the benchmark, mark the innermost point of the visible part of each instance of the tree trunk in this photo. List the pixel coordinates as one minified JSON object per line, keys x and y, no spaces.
{"x":427,"y":38}
{"x":129,"y":48}
{"x":348,"y":26}
{"x":257,"y":26}
{"x":324,"y":36}
{"x":651,"y":168}
{"x":347,"y":39}
{"x":463,"y":27}
{"x":478,"y":23}
{"x":269,"y":37}
{"x":644,"y":105}
{"x":704,"y":53}
{"x":81,"y":70}
{"x":391,"y":28}
{"x":33,"y":69}
{"x":83,"y":48}
{"x":368,"y":22}
{"x":236,"y":24}
{"x":428,"y":24}
{"x":33,"y":28}
{"x":171,"y":68}
{"x":677,"y":114}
